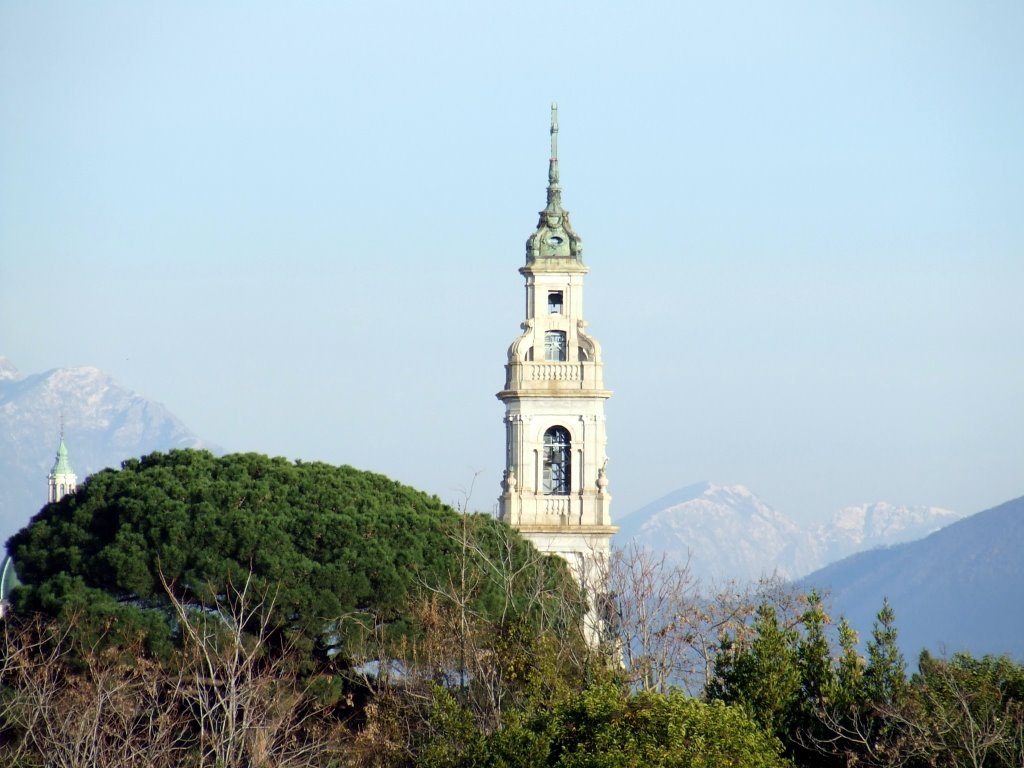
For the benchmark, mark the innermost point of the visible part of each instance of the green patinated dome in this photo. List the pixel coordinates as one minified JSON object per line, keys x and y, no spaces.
{"x":62,"y":466}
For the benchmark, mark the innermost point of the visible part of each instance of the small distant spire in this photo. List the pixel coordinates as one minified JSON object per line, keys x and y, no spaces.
{"x":62,"y":466}
{"x":554,"y":191}
{"x":62,"y":480}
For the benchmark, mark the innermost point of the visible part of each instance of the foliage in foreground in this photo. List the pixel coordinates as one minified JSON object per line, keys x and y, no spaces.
{"x":606,"y":726}
{"x":225,"y":702}
{"x":221,"y":701}
{"x":343,"y":550}
{"x":842,"y":709}
{"x":247,"y":611}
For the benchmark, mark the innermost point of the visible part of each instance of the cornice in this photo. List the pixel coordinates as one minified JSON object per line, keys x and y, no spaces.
{"x":565,"y":394}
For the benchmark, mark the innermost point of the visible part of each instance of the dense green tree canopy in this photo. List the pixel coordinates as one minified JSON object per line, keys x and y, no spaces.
{"x":605,"y":726}
{"x":335,"y":548}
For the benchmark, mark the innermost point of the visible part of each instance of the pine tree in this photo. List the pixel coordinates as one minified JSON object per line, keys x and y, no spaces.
{"x":814,"y":656}
{"x":764,"y":677}
{"x":885,"y":677}
{"x":849,"y":689}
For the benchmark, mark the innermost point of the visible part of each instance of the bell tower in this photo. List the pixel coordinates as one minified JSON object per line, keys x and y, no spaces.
{"x":62,"y":479}
{"x":554,"y":488}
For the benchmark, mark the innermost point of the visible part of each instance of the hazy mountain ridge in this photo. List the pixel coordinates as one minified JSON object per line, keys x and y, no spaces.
{"x":729,"y":533}
{"x":958,"y":588}
{"x":104,"y":423}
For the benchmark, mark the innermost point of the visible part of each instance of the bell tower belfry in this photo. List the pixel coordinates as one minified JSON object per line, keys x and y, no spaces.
{"x":554,"y":488}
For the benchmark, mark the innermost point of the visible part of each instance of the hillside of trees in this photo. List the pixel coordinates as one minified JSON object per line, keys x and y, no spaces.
{"x":248,"y":611}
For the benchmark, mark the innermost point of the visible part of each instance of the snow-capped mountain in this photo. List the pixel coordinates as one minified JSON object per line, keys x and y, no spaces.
{"x":104,"y":424}
{"x":957,"y":589}
{"x":855,"y":529}
{"x":728,"y":533}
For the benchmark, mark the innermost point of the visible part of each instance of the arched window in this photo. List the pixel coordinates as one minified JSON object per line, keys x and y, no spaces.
{"x":557,"y":461}
{"x":554,"y":346}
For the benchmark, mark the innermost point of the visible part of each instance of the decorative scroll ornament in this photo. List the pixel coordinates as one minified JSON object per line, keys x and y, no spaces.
{"x":590,"y":346}
{"x":518,"y":349}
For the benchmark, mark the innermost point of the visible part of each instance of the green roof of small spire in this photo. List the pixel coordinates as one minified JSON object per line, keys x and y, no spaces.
{"x":62,"y":466}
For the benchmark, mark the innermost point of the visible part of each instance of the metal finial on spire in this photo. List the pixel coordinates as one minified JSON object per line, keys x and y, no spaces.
{"x":554,"y":191}
{"x":553,"y":165}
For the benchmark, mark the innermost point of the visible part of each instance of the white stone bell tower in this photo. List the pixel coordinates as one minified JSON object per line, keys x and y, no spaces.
{"x":554,"y":489}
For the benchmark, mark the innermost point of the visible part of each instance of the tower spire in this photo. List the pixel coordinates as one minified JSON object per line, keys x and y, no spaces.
{"x":62,"y":479}
{"x":554,"y":237}
{"x":554,"y":190}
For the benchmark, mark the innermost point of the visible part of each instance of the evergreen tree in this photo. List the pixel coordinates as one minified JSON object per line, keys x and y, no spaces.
{"x":607,"y":728}
{"x":818,"y":686}
{"x":814,"y":656}
{"x":343,"y":552}
{"x":764,"y":677}
{"x":885,"y":677}
{"x":850,"y":669}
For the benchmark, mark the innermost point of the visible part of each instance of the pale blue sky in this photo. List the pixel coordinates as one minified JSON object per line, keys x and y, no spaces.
{"x":298,"y":226}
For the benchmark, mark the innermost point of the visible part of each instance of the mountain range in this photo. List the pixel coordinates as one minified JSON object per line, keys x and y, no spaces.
{"x":961,"y":588}
{"x":728,"y":533}
{"x":954,"y":582}
{"x":103,"y":423}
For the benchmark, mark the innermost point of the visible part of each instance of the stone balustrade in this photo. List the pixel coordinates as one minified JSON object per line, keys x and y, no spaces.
{"x":554,"y":371}
{"x":556,"y":506}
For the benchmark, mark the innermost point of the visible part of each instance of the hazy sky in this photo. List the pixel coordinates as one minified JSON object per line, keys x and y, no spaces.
{"x":298,"y":226}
